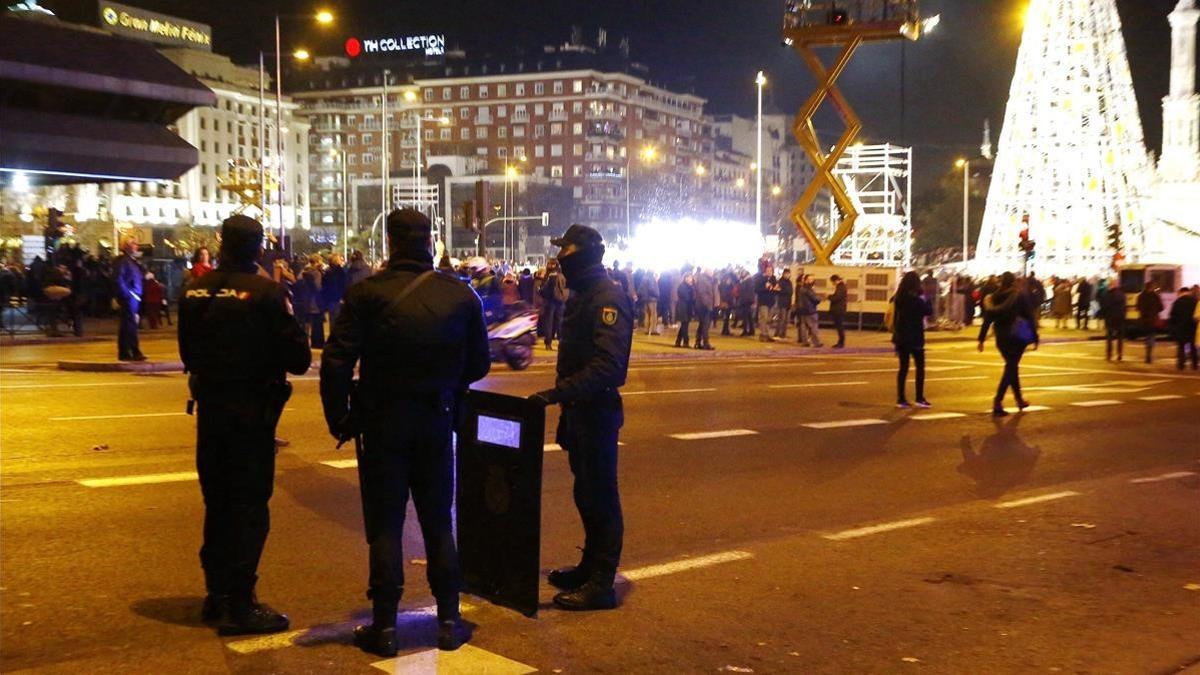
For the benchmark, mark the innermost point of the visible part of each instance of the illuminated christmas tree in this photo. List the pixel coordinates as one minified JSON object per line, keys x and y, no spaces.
{"x":1072,"y":162}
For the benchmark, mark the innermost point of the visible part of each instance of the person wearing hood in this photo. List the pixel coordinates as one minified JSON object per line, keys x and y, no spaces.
{"x":1012,"y":313}
{"x":593,"y":362}
{"x":420,"y":340}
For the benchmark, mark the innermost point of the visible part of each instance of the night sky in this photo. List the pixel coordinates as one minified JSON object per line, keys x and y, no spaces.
{"x":955,"y":78}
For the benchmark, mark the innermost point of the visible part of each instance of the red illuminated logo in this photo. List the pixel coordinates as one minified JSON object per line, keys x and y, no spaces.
{"x":353,"y":47}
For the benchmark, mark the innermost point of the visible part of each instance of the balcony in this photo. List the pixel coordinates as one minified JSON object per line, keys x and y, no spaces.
{"x":604,"y":131}
{"x":520,"y":117}
{"x":603,"y":114}
{"x":558,"y":115}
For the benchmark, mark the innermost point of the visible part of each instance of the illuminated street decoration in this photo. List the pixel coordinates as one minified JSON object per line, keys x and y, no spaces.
{"x":878,"y":180}
{"x":1071,"y":162}
{"x":664,"y":244}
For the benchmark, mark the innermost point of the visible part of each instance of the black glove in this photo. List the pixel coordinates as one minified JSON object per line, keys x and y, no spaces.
{"x":344,"y":429}
{"x":546,"y":397}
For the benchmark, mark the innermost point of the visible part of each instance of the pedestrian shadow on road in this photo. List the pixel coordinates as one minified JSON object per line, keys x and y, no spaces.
{"x":179,"y":610}
{"x":1002,"y":462}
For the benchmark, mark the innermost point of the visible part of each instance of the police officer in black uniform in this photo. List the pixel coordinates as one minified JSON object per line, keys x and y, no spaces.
{"x":421,"y":339}
{"x":593,"y":360}
{"x":238,"y":339}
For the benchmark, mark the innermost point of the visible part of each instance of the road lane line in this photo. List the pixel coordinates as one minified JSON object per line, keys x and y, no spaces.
{"x":1164,"y":477}
{"x":552,"y":447}
{"x":144,"y":479}
{"x":707,"y":435}
{"x":963,"y":378}
{"x":841,"y":424}
{"x":342,"y":463}
{"x":933,"y":369}
{"x":1036,"y":500}
{"x":1097,"y":403}
{"x":876,"y":529}
{"x":929,"y":417}
{"x":116,"y":417}
{"x":808,"y":385}
{"x":465,"y":659}
{"x":1161,"y":397}
{"x":130,"y":383}
{"x":667,"y":391}
{"x":1035,"y":408}
{"x":684,"y":565}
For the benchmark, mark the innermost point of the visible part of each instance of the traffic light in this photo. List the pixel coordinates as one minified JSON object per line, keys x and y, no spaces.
{"x":1027,"y":245}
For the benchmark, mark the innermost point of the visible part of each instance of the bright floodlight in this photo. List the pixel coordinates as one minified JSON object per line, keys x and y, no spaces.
{"x":20,"y":181}
{"x":700,"y":170}
{"x":301,"y":55}
{"x":510,"y":171}
{"x":324,"y":17}
{"x":776,"y":190}
{"x":712,"y":244}
{"x":649,"y":153}
{"x":960,"y":163}
{"x":410,"y":96}
{"x":761,"y":79}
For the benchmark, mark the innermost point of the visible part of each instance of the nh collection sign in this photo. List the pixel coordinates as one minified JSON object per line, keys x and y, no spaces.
{"x":430,"y":45}
{"x":142,"y":24}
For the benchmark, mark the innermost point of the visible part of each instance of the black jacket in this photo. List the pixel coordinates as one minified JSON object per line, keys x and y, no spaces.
{"x":837,"y":301}
{"x":1002,"y":311}
{"x":908,"y":321}
{"x":1182,"y":318}
{"x":433,"y":343}
{"x":236,"y":330}
{"x":597,"y":334}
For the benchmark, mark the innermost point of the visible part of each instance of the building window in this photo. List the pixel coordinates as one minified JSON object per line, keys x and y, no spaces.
{"x":352,"y":139}
{"x":464,"y":92}
{"x":556,"y":129}
{"x":445,"y":134}
{"x":577,"y":171}
{"x":203,"y":146}
{"x":539,"y":130}
{"x":518,"y":132}
{"x":519,"y":88}
{"x":483,"y":91}
{"x":481,"y":132}
{"x":539,"y":109}
{"x":429,"y":134}
{"x":367,"y":139}
{"x":501,"y":111}
{"x":445,"y":93}
{"x":352,"y":159}
{"x":577,"y":149}
{"x":427,"y":94}
{"x":558,"y":87}
{"x":577,"y":128}
{"x":577,"y":107}
{"x":519,"y":151}
{"x":502,"y":151}
{"x":501,"y":90}
{"x":464,"y":113}
{"x":502,"y":132}
{"x":539,"y":88}
{"x":556,"y":150}
{"x":202,"y":122}
{"x":577,"y":86}
{"x":539,"y":151}
{"x":556,"y":171}
{"x":464,"y":133}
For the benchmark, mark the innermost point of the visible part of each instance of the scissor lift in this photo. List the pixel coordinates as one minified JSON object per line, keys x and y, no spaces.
{"x":848,"y":24}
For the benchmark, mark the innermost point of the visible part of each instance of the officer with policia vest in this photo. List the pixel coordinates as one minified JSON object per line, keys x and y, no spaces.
{"x":238,"y":339}
{"x":420,"y":340}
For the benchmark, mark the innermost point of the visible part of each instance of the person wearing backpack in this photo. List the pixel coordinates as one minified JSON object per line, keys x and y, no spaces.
{"x":1012,"y":313}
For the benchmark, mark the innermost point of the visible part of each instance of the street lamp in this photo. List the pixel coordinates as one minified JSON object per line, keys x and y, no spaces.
{"x":648,"y":154}
{"x":965,"y":165}
{"x":301,"y":54}
{"x":761,"y":81}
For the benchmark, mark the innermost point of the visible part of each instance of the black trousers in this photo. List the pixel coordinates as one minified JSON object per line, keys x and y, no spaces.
{"x":127,"y":332}
{"x":1011,"y":378}
{"x":703,"y":324}
{"x":588,"y":432}
{"x":235,"y":458}
{"x":406,"y":450}
{"x":839,"y":324}
{"x":1185,"y":344}
{"x":316,"y":330}
{"x":683,"y":336}
{"x":918,"y":358}
{"x":1114,"y":331}
{"x":1083,"y":314}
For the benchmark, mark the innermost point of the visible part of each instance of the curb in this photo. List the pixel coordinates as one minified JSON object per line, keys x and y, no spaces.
{"x":122,"y":366}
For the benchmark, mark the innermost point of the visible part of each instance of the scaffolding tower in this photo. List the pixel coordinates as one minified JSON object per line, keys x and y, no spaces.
{"x":848,"y":24}
{"x":878,"y":180}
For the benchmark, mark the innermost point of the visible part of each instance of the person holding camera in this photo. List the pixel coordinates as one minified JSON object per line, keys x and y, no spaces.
{"x":238,"y":339}
{"x":420,"y":340}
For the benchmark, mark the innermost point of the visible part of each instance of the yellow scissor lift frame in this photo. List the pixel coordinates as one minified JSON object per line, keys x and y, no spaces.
{"x":805,"y":38}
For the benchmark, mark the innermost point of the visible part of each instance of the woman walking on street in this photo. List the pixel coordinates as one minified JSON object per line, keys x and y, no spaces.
{"x":1012,"y":313}
{"x":908,"y":335}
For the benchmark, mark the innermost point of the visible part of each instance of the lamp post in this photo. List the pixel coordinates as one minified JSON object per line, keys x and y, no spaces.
{"x":648,"y":154}
{"x":965,"y":165}
{"x":761,"y":81}
{"x":383,"y":163}
{"x":324,"y":18}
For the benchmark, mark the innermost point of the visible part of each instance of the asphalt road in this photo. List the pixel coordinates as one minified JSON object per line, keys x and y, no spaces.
{"x":781,"y":516}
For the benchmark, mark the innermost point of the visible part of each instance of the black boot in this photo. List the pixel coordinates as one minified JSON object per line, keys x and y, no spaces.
{"x":452,"y":634}
{"x":592,"y":595}
{"x":379,"y":637}
{"x":247,"y":616}
{"x":568,"y":578}
{"x":215,"y":609}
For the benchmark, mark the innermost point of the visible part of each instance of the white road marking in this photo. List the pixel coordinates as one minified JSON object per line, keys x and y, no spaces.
{"x":342,"y":463}
{"x":18,"y":370}
{"x":116,"y":417}
{"x":1064,"y":373}
{"x":1164,"y":477}
{"x":1067,"y":370}
{"x":1036,"y":500}
{"x":1161,"y":397}
{"x":130,"y":383}
{"x":773,"y":365}
{"x":963,"y":378}
{"x":684,"y":565}
{"x":324,"y":633}
{"x":706,"y":435}
{"x":144,"y":479}
{"x":841,"y":424}
{"x":1036,"y":408}
{"x":465,"y":659}
{"x":932,"y":369}
{"x":808,"y":385}
{"x":1097,"y":403}
{"x":552,"y":447}
{"x":876,"y":529}
{"x":667,"y":391}
{"x":929,"y":417}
